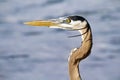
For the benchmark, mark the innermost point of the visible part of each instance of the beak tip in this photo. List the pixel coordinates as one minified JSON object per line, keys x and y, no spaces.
{"x":30,"y":23}
{"x":26,"y":23}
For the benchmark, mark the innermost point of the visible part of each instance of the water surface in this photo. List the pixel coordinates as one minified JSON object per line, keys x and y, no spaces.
{"x":33,"y":53}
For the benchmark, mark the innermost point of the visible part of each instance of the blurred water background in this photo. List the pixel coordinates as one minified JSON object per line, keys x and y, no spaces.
{"x":34,"y":53}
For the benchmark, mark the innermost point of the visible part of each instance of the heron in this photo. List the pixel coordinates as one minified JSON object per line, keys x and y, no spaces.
{"x":77,"y":23}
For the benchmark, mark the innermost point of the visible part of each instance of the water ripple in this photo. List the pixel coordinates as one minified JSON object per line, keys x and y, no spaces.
{"x":14,"y":57}
{"x":32,"y":33}
{"x":115,"y":40}
{"x":50,"y":2}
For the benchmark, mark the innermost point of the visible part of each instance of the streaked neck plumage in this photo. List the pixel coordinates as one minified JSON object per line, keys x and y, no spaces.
{"x":80,"y":53}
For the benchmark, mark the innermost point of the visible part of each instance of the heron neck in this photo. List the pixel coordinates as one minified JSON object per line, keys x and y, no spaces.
{"x":79,"y":54}
{"x":86,"y":34}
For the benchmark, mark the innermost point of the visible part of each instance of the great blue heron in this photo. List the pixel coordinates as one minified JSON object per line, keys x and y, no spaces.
{"x":72,"y":23}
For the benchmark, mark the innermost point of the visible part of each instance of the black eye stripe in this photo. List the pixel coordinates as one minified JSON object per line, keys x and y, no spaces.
{"x":76,"y":18}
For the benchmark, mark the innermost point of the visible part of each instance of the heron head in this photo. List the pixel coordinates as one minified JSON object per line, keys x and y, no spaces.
{"x":69,"y":23}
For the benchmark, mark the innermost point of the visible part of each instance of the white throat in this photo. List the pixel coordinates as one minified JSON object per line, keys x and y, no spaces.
{"x":83,"y":28}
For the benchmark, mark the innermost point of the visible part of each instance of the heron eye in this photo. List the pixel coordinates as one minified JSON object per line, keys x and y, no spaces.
{"x":68,"y":20}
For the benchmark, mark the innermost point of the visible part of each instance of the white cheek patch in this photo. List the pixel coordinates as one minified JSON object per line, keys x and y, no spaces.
{"x":79,"y":24}
{"x":75,"y":22}
{"x":83,"y":24}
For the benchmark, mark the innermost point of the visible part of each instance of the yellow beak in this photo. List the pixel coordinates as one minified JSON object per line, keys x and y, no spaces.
{"x":42,"y":23}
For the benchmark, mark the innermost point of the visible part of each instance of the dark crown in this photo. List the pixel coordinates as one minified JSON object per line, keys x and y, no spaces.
{"x":76,"y":18}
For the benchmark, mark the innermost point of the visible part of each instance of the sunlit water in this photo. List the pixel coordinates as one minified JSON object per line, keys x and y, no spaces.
{"x":34,"y":53}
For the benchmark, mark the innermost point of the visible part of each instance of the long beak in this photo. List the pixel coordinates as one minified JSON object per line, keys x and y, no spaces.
{"x":52,"y":23}
{"x":42,"y":23}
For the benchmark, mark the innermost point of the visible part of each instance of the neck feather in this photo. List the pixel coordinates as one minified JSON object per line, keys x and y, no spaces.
{"x":80,"y":53}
